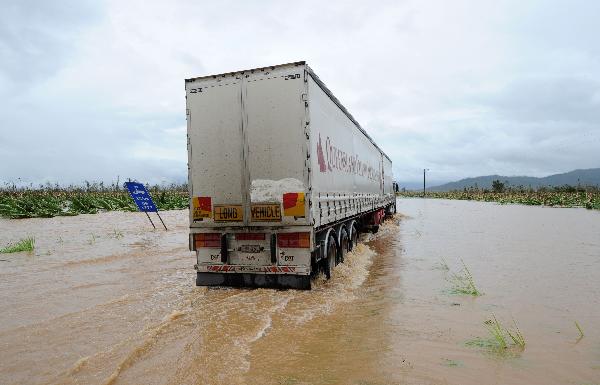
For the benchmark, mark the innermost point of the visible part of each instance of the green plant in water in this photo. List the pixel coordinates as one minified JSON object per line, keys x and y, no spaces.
{"x":93,"y":238}
{"x":442,"y":265}
{"x":580,"y":330}
{"x":516,"y":336}
{"x":499,"y":337}
{"x":497,"y":332}
{"x":463,"y":282}
{"x":485,"y":343}
{"x":451,"y":363}
{"x":27,"y":244}
{"x":288,"y":381}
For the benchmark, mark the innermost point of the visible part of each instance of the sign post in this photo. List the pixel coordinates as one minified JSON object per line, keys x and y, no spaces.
{"x":143,"y":200}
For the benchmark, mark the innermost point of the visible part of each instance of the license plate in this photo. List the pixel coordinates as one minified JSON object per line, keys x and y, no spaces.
{"x":266,"y":212}
{"x":250,"y":248}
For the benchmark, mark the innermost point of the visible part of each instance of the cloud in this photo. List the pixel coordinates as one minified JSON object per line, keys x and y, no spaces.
{"x":94,"y":90}
{"x":36,"y":38}
{"x":544,"y":99}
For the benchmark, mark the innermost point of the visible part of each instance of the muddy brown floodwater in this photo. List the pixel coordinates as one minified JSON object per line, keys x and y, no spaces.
{"x":105,"y":300}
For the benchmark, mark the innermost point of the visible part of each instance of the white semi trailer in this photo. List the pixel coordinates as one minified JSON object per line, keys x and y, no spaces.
{"x":281,"y":177}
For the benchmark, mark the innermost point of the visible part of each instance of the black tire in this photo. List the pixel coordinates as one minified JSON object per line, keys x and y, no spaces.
{"x":354,"y":238}
{"x":344,"y":246}
{"x":329,"y":261}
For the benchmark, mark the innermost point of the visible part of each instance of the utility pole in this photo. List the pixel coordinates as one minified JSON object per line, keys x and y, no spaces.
{"x":424,"y":170}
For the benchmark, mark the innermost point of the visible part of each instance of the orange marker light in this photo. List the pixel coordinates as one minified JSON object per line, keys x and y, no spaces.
{"x":207,"y":240}
{"x":293,"y":240}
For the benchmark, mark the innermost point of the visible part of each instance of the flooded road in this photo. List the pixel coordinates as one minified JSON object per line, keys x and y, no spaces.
{"x":105,"y":300}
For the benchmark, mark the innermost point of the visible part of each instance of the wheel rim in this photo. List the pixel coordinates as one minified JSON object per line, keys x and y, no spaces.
{"x":331,"y":255}
{"x":344,"y":246}
{"x":354,"y":238}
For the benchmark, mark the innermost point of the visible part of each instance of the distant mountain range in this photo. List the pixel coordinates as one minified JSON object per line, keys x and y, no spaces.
{"x":587,"y":177}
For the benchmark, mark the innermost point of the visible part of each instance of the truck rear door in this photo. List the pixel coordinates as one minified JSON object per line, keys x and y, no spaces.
{"x":275,"y":113}
{"x":248,"y":148}
{"x":215,"y":145}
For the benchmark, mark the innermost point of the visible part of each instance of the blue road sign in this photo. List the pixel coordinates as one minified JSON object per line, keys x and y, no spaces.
{"x":141,"y":197}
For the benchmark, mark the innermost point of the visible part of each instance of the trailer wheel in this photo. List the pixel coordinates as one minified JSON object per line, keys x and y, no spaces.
{"x":329,"y":262}
{"x":354,"y":240}
{"x":344,"y":246}
{"x":391,"y":210}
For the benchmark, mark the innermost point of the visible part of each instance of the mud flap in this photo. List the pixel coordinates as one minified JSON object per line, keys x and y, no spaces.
{"x":276,"y":281}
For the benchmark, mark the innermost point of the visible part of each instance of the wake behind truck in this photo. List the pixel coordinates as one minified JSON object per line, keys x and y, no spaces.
{"x":281,"y":177}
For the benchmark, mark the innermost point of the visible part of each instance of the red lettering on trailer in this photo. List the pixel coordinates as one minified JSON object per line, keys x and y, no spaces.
{"x":335,"y":158}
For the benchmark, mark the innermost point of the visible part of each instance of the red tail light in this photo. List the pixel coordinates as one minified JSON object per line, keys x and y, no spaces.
{"x":250,"y":237}
{"x":207,"y":240}
{"x":297,"y":240}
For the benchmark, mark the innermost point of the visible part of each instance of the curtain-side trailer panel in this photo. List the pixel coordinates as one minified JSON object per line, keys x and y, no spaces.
{"x":388,"y":178}
{"x":347,"y":170}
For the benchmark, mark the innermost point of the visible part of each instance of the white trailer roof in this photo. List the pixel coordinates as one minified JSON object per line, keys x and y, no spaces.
{"x":315,"y":78}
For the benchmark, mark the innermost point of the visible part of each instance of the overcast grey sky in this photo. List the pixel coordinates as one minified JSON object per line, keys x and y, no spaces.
{"x":94,"y":90}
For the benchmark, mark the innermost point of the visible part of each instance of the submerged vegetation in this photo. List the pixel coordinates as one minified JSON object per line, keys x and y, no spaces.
{"x":52,"y":200}
{"x":463,"y":282}
{"x":564,"y":196}
{"x":451,"y":363}
{"x":442,"y":265}
{"x":27,"y":244}
{"x":500,"y":338}
{"x":579,"y":329}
